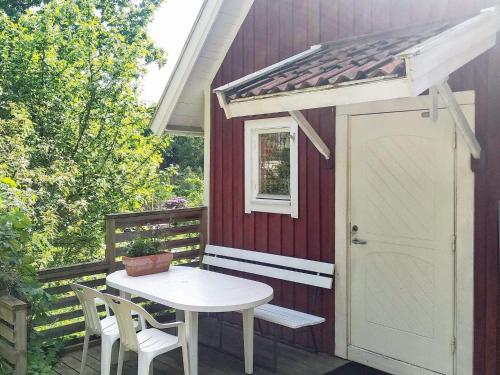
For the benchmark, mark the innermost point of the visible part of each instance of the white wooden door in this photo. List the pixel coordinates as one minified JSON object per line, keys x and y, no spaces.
{"x":401,"y":252}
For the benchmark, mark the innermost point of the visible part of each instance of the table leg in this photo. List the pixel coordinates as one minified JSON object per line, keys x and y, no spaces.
{"x":248,"y":320}
{"x":191,"y":319}
{"x":179,"y":315}
{"x":125,"y":295}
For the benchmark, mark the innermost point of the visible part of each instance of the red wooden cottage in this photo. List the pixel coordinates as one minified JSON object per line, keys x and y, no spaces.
{"x":363,"y":133}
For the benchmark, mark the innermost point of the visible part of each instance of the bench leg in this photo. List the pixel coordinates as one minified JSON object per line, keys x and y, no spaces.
{"x":259,"y":327}
{"x":314,"y":341}
{"x":220,"y":318}
{"x":275,"y":349}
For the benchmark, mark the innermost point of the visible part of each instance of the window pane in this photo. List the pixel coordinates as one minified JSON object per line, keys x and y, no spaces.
{"x":274,"y":163}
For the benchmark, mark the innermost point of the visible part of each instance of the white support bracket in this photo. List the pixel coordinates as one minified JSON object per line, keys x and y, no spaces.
{"x":311,"y":133}
{"x":460,"y":119}
{"x":433,"y":91}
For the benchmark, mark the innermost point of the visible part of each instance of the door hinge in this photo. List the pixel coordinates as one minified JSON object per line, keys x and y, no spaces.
{"x":453,"y":345}
{"x":454,"y":141}
{"x":453,"y":243}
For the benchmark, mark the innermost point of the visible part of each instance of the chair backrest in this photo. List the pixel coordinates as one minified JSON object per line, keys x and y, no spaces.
{"x":88,"y":298}
{"x":303,"y":271}
{"x":124,"y":309}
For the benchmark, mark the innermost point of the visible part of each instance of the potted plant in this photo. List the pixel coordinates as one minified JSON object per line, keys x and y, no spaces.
{"x":143,"y":256}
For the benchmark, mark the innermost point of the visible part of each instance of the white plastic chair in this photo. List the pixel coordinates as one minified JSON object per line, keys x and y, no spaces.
{"x":148,"y":343}
{"x":107,"y":328}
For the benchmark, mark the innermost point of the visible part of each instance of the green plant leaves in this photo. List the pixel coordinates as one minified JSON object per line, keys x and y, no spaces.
{"x":141,"y":246}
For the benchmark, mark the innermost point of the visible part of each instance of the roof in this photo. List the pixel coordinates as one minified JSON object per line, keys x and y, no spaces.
{"x":389,"y":65}
{"x":181,"y":107}
{"x":342,"y":61}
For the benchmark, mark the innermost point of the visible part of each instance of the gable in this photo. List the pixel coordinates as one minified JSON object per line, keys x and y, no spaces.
{"x":180,"y":109}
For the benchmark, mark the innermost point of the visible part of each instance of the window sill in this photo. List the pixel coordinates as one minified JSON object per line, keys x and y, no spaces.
{"x":272,"y":206}
{"x":271,"y":202}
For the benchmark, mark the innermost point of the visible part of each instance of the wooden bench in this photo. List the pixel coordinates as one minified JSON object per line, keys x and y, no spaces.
{"x":296,"y":270}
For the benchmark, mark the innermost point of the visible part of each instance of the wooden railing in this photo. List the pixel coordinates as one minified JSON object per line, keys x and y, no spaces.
{"x":182,"y":231}
{"x":13,"y":333}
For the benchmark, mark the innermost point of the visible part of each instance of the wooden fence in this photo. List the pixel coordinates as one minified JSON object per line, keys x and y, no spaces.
{"x":181,"y":231}
{"x":13,"y":333}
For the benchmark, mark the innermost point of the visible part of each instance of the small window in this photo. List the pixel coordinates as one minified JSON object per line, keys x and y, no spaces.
{"x":271,"y":176}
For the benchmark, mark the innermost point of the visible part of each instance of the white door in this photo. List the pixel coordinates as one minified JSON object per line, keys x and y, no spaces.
{"x":402,"y":241}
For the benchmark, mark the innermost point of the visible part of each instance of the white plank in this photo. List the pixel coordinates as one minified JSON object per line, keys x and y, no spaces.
{"x":255,"y":256}
{"x":277,"y":273}
{"x":318,"y":97}
{"x":465,"y":254}
{"x":286,"y":317}
{"x":342,"y":229}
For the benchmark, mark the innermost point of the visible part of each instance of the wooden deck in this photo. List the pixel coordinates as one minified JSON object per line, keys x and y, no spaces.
{"x":291,"y":360}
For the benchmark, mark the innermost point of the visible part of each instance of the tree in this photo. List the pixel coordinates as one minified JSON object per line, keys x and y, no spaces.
{"x":73,"y":66}
{"x":14,"y":8}
{"x":18,"y":274}
{"x":186,"y":152}
{"x":184,"y":159}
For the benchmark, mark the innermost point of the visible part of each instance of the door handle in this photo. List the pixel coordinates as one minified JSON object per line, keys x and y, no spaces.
{"x":357,"y":241}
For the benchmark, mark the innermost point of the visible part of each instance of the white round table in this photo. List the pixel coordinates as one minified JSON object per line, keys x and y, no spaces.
{"x":194,"y":290}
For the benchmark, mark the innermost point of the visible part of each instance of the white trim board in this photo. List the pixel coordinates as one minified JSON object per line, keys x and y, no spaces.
{"x":206,"y":154}
{"x":464,"y":283}
{"x":211,"y":36}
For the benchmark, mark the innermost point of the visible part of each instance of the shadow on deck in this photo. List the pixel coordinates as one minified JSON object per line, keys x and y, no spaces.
{"x":291,"y":360}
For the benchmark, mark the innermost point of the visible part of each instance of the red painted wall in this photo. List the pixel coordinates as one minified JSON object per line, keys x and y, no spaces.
{"x":276,"y":29}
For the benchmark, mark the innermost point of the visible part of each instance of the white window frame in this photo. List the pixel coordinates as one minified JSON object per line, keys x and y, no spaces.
{"x":253,"y":201}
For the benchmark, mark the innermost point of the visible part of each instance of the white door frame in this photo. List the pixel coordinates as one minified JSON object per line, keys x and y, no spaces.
{"x":464,"y":211}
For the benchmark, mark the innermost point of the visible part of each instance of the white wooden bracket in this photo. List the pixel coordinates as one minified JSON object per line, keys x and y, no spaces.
{"x":311,"y":133}
{"x":434,"y":95}
{"x":460,"y":119}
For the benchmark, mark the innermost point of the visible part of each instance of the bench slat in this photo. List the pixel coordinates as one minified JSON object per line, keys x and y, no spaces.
{"x":280,"y":260}
{"x":277,"y":273}
{"x":286,"y":317}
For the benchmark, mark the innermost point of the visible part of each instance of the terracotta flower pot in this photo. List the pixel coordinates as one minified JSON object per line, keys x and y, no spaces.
{"x":147,"y":265}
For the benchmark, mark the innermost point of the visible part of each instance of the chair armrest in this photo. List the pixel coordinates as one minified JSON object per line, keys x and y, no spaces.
{"x":159,"y":325}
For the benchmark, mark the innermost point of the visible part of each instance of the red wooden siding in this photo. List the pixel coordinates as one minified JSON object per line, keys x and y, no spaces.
{"x":276,"y":29}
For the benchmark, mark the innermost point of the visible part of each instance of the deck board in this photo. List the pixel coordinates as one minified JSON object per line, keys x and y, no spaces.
{"x":291,"y":360}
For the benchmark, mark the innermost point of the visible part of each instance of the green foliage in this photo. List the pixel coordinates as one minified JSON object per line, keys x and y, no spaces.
{"x":42,"y":355}
{"x":186,"y":152}
{"x":142,"y":247}
{"x":14,"y":8}
{"x":189,"y":184}
{"x":184,"y":158}
{"x":77,"y":137}
{"x":18,"y":273}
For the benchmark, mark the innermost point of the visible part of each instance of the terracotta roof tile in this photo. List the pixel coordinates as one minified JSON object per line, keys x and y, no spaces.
{"x":342,"y":61}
